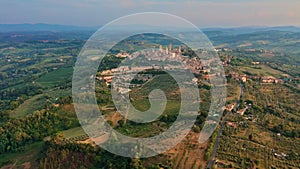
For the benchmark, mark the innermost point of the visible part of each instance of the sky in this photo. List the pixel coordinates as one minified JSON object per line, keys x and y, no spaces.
{"x":203,"y":13}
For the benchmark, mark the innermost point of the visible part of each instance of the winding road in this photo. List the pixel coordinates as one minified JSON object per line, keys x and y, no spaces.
{"x":217,"y":142}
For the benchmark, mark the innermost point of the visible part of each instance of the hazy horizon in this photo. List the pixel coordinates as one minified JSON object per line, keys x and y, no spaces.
{"x":204,"y":27}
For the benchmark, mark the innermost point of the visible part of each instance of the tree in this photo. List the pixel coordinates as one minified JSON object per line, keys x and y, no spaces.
{"x":250,"y":137}
{"x":196,"y":129}
{"x":58,"y":138}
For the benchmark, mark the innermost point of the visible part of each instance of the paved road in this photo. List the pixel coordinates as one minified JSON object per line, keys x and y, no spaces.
{"x":217,"y":142}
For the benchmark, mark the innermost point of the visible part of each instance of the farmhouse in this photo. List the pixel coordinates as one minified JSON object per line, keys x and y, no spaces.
{"x":122,"y":55}
{"x":242,"y":111}
{"x":255,"y":63}
{"x":243,"y":78}
{"x":231,"y":124}
{"x":108,"y":79}
{"x":230,"y":107}
{"x":269,"y":80}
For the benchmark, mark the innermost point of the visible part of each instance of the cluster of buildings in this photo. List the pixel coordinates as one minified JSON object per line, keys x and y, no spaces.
{"x":255,"y":63}
{"x":173,"y":52}
{"x":226,"y":62}
{"x":271,"y":79}
{"x":262,"y":79}
{"x":280,"y":155}
{"x":237,"y":76}
{"x":223,"y":50}
{"x":122,"y":55}
{"x":170,"y":59}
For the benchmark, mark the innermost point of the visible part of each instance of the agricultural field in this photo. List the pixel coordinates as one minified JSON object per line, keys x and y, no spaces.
{"x":262,"y":137}
{"x":29,"y":106}
{"x":254,"y":147}
{"x":55,"y":78}
{"x":74,"y":132}
{"x":261,"y":70}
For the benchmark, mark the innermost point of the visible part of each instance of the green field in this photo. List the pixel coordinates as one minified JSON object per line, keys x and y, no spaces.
{"x":29,"y":106}
{"x":56,"y":77}
{"x":55,"y":93}
{"x":38,"y":102}
{"x":261,"y":70}
{"x":74,"y":132}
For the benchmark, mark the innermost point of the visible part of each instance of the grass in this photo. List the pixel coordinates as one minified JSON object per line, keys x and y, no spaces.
{"x":37,"y":102}
{"x":55,"y":93}
{"x":55,"y":77}
{"x":233,"y":91}
{"x":74,"y":132}
{"x":163,"y":82}
{"x":30,"y":154}
{"x":153,"y":128}
{"x":29,"y":106}
{"x":261,"y":70}
{"x":172,"y":107}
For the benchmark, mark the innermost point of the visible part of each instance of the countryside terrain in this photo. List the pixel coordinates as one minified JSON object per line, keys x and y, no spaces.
{"x":259,"y":127}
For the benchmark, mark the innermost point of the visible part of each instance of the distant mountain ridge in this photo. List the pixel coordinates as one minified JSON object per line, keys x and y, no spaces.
{"x":43,"y":27}
{"x":60,"y":28}
{"x":251,"y":29}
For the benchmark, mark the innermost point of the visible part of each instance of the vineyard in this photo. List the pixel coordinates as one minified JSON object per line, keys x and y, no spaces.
{"x":278,"y":152}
